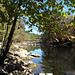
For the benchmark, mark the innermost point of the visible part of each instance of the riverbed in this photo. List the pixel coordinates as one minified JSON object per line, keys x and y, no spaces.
{"x":58,"y":61}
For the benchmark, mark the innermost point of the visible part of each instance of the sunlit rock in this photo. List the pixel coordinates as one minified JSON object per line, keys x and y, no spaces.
{"x":30,"y":57}
{"x":35,"y":55}
{"x":30,"y":62}
{"x":49,"y":73}
{"x":16,"y":46}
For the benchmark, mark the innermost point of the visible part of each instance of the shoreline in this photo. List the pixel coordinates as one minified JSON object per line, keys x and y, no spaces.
{"x":15,"y":61}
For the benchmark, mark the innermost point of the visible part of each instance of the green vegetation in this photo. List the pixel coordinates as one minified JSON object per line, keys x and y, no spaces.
{"x":59,"y":60}
{"x":20,"y":35}
{"x":65,"y":34}
{"x":46,"y":15}
{"x":31,"y":48}
{"x":1,"y":30}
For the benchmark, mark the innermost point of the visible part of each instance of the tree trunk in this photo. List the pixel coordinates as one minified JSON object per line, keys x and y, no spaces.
{"x":2,"y":58}
{"x":4,"y":41}
{"x":3,"y":33}
{"x":74,"y":19}
{"x":6,"y":34}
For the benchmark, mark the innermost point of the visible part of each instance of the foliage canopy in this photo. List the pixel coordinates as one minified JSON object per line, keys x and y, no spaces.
{"x":43,"y":14}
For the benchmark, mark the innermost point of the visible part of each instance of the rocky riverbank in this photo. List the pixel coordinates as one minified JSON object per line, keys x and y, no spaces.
{"x":15,"y":62}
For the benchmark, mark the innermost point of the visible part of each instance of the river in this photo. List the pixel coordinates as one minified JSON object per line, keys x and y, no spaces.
{"x":59,"y":61}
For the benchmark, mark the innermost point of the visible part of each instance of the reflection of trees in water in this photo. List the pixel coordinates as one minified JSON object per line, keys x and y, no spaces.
{"x":30,"y":47}
{"x":58,"y":60}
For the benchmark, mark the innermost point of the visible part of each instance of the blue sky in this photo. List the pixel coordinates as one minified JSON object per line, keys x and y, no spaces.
{"x":35,"y":29}
{"x":67,"y":8}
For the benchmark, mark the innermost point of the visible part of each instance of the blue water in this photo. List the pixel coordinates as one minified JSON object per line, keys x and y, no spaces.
{"x":38,"y":61}
{"x":59,"y":61}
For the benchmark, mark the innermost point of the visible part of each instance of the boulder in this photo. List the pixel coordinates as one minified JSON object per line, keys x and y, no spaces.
{"x":22,"y":55}
{"x":35,"y":55}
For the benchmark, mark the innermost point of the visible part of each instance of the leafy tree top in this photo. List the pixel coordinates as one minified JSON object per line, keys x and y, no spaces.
{"x":39,"y":12}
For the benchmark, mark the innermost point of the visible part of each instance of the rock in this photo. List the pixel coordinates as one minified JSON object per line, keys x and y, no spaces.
{"x":2,"y":71}
{"x":20,"y":54}
{"x":30,"y":57}
{"x":23,"y":55}
{"x":24,"y":70}
{"x":5,"y":62}
{"x":18,"y":57}
{"x":24,"y":67}
{"x":30,"y":62}
{"x":19,"y":67}
{"x":49,"y":73}
{"x":32,"y":54}
{"x":30,"y":70}
{"x":24,"y":52}
{"x":10,"y":67}
{"x":0,"y":46}
{"x":16,"y":72}
{"x":16,"y":46}
{"x":26,"y":64}
{"x":11,"y":74}
{"x":30,"y":74}
{"x":41,"y":73}
{"x":35,"y":55}
{"x":32,"y":65}
{"x":27,"y":73}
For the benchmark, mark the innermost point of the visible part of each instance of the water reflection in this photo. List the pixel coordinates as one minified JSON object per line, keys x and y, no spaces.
{"x":31,"y":47}
{"x":59,"y":61}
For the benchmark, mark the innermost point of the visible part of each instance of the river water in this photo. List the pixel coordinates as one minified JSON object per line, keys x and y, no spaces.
{"x":59,"y":61}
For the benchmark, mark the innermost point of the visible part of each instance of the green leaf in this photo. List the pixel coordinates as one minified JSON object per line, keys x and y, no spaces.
{"x":41,"y":15}
{"x":72,"y":37}
{"x":1,"y":1}
{"x":72,"y":11}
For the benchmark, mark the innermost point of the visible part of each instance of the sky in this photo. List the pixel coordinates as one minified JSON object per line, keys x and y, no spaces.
{"x":67,"y":8}
{"x":35,"y":30}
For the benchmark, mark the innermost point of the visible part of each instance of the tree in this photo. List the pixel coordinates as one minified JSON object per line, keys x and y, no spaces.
{"x":15,"y":11}
{"x":1,"y":31}
{"x":39,"y":14}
